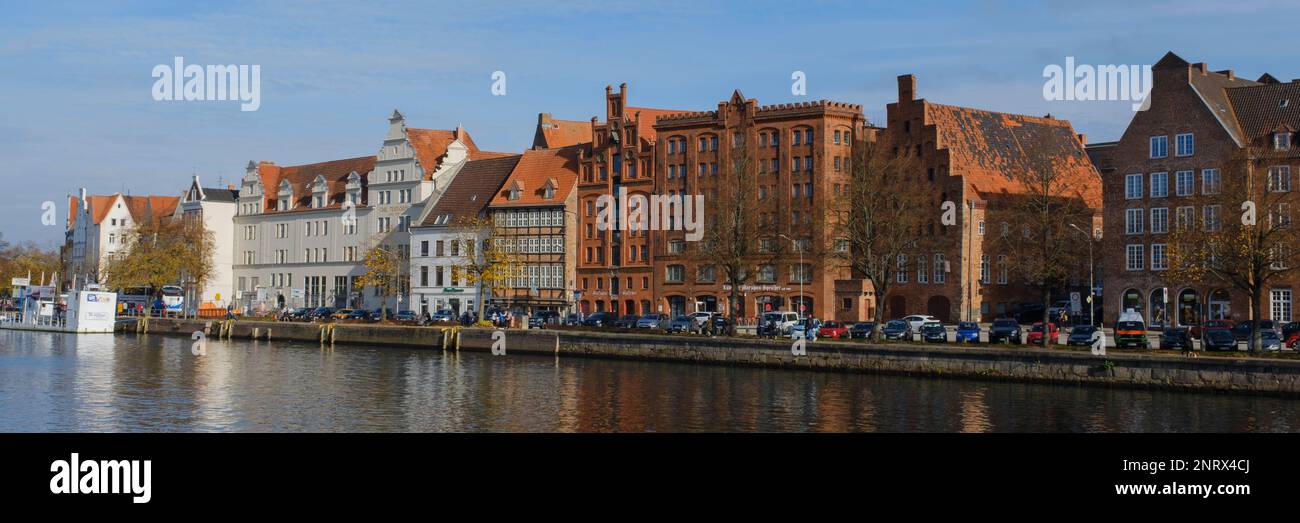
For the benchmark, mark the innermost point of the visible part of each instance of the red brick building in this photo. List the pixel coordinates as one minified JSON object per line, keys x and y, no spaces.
{"x":801,"y":155}
{"x":615,"y":269}
{"x":1180,"y":149}
{"x":970,"y":157}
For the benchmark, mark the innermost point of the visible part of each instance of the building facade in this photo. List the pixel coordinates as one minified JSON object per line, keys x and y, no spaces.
{"x":972,"y":157}
{"x":99,"y":227}
{"x":303,"y":231}
{"x":213,"y":208}
{"x":535,"y":221}
{"x":1178,"y":151}
{"x":799,"y":156}
{"x":451,"y":232}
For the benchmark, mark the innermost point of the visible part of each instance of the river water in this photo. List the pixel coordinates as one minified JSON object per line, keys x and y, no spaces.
{"x":93,"y":383}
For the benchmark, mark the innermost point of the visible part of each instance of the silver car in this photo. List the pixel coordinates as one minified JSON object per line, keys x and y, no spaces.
{"x":652,"y":321}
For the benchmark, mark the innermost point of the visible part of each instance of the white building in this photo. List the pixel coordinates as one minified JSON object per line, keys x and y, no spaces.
{"x":97,"y":228}
{"x":215,"y":208}
{"x":303,"y":231}
{"x":439,"y":238}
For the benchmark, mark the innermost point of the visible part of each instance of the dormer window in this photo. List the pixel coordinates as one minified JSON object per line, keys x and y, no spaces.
{"x":548,"y":190}
{"x":1281,"y":141}
{"x":515,"y":192}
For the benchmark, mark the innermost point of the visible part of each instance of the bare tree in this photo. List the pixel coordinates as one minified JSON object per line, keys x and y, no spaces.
{"x":735,"y":240}
{"x":1037,"y":228}
{"x":1249,"y":252}
{"x":879,"y":216}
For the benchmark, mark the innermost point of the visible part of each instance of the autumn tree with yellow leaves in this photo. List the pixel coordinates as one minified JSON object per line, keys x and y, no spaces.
{"x":163,"y":252}
{"x":1240,"y":233}
{"x":483,"y":253}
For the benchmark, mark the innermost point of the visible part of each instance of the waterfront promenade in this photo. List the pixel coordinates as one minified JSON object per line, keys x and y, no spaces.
{"x":1249,"y":375}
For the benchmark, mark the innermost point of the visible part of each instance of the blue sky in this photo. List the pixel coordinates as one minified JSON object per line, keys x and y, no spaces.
{"x":76,"y":110}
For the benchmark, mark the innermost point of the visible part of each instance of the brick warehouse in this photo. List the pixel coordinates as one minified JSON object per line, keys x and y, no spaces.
{"x":1178,"y":149}
{"x":969,"y":156}
{"x":800,"y":153}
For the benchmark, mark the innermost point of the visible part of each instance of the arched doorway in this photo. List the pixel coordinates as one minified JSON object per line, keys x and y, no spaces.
{"x":804,"y":306}
{"x":1159,"y":310}
{"x":1220,"y":305}
{"x":676,"y":306}
{"x":939,"y":307}
{"x":1189,"y":308}
{"x":897,"y":307}
{"x":1131,"y":301}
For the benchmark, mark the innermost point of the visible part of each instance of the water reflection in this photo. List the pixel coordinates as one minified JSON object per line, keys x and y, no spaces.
{"x":53,"y":382}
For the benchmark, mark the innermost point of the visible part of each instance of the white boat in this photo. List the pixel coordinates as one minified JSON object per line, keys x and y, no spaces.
{"x":88,"y":311}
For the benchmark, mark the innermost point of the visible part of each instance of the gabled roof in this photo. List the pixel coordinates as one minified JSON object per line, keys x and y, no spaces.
{"x":74,"y":205}
{"x":1265,"y":108}
{"x":535,"y":168}
{"x":220,"y":195}
{"x":431,"y":146}
{"x":552,"y":133}
{"x":988,"y":149}
{"x":471,"y":190}
{"x":1212,"y":88}
{"x":300,"y":178}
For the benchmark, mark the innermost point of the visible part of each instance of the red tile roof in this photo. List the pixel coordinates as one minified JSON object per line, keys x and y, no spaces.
{"x":552,"y":133}
{"x":536,"y":167}
{"x":300,"y":178}
{"x":471,"y":190}
{"x":989,"y":149}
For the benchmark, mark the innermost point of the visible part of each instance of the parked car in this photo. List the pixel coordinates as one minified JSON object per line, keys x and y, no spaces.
{"x":359,"y":314}
{"x":806,"y":328}
{"x":573,"y":319}
{"x":896,"y":330}
{"x":1212,"y":324}
{"x":861,"y":330}
{"x":934,"y":332}
{"x":681,"y":324}
{"x":1269,"y":340}
{"x":444,"y":315}
{"x":628,"y":321}
{"x":382,"y":313}
{"x":1005,"y":330}
{"x":404,"y":316}
{"x":1218,"y":339}
{"x":301,"y":314}
{"x":1242,"y":329}
{"x":967,"y":332}
{"x":652,"y":321}
{"x":542,"y":319}
{"x":1176,"y":337}
{"x":700,"y":317}
{"x":341,"y":314}
{"x":833,"y":329}
{"x":1290,"y":328}
{"x":599,"y":319}
{"x":784,"y":321}
{"x":1131,"y":330}
{"x":322,"y":314}
{"x":1084,"y":335}
{"x":720,"y":323}
{"x":916,"y":321}
{"x":1036,"y":333}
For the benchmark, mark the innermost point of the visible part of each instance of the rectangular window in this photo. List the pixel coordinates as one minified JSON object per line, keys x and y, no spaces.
{"x":1159,"y":185}
{"x":1211,"y":181}
{"x":1002,"y":270}
{"x":1134,"y":220}
{"x":1159,"y":261}
{"x":922,"y":275}
{"x":940,"y":269}
{"x":984,"y":269}
{"x":1279,"y":178}
{"x":1280,"y":305}
{"x":1210,"y":218}
{"x":1184,"y":218}
{"x":901,"y":272}
{"x":1159,"y":146}
{"x":1159,"y":220}
{"x":1134,"y":257}
{"x":1184,"y":145}
{"x":1281,"y":141}
{"x":1183,"y":182}
{"x":1133,"y":186}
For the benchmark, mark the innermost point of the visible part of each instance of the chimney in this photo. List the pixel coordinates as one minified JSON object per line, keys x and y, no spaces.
{"x":1199,"y":67}
{"x":1083,"y":138}
{"x":84,"y":205}
{"x":906,"y":88}
{"x":1228,"y":73}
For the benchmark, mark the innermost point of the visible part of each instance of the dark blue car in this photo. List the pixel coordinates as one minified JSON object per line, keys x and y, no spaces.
{"x":967,"y":332}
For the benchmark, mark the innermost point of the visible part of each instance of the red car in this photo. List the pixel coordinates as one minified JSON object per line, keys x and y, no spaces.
{"x":833,"y":329}
{"x":1291,"y":340}
{"x":1212,"y":324}
{"x":1036,"y":333}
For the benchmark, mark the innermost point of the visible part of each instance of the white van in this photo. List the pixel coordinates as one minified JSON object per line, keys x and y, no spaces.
{"x":784,"y":320}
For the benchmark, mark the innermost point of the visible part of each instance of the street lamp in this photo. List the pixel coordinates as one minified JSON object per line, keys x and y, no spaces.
{"x":1092,"y":286}
{"x":799,"y":248}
